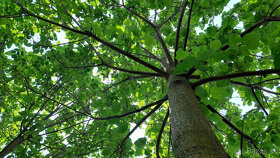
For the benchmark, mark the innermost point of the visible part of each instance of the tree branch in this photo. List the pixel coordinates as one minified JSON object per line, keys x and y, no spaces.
{"x":160,"y":133}
{"x":103,"y":63}
{"x":136,"y":126}
{"x":17,"y":15}
{"x":132,"y":71}
{"x":168,"y":19}
{"x":166,"y":52}
{"x":251,"y":141}
{"x":179,"y":30}
{"x":259,"y":102}
{"x":257,"y":24}
{"x":106,"y":43}
{"x":254,"y":86}
{"x":131,"y":112}
{"x":278,"y":78}
{"x":161,"y":41}
{"x":274,"y":10}
{"x":235,"y":75}
{"x":151,"y":54}
{"x":188,"y":27}
{"x":129,"y":78}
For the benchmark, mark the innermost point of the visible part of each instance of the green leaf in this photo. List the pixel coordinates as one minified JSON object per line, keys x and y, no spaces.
{"x":251,"y":40}
{"x":234,"y":39}
{"x":168,"y":3}
{"x":107,"y":150}
{"x":116,"y":108}
{"x":276,"y":61}
{"x":181,"y":54}
{"x":148,"y":40}
{"x":222,"y":83}
{"x":139,"y":151}
{"x":205,"y":3}
{"x":215,"y":44}
{"x":140,"y":143}
{"x":187,"y":63}
{"x":123,"y":127}
{"x":276,"y":140}
{"x":253,"y":1}
{"x":220,"y":92}
{"x":207,"y":54}
{"x":200,"y":91}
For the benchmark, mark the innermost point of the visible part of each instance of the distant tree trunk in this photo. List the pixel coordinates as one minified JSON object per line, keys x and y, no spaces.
{"x":192,"y":135}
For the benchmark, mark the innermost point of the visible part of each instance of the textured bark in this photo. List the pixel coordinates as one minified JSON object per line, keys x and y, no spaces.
{"x":10,"y":147}
{"x":192,"y":135}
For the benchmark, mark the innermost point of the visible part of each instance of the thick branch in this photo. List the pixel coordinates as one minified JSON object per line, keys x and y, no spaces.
{"x":188,"y":27}
{"x":236,"y":75}
{"x":127,"y":54}
{"x":179,"y":30}
{"x":166,"y":52}
{"x":251,"y":141}
{"x":160,"y":133}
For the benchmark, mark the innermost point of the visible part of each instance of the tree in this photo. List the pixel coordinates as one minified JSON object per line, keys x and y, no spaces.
{"x":134,"y":62}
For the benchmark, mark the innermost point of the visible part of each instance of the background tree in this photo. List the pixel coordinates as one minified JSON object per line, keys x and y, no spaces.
{"x":133,"y":62}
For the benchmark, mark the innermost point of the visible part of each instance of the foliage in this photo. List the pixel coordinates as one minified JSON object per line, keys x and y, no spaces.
{"x":79,"y":97}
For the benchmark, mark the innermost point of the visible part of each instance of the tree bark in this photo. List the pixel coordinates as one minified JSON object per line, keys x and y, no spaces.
{"x":10,"y":147}
{"x":192,"y":135}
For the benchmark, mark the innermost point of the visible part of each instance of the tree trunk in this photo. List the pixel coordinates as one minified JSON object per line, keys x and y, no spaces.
{"x":192,"y":135}
{"x":10,"y":147}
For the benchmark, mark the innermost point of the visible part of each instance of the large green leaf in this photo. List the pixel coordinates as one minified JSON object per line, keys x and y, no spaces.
{"x":251,"y":40}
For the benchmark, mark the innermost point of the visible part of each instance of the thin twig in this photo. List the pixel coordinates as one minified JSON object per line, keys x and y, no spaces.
{"x":136,"y":126}
{"x":257,"y":99}
{"x":131,"y":112}
{"x":168,"y":19}
{"x":254,"y":86}
{"x":129,"y":78}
